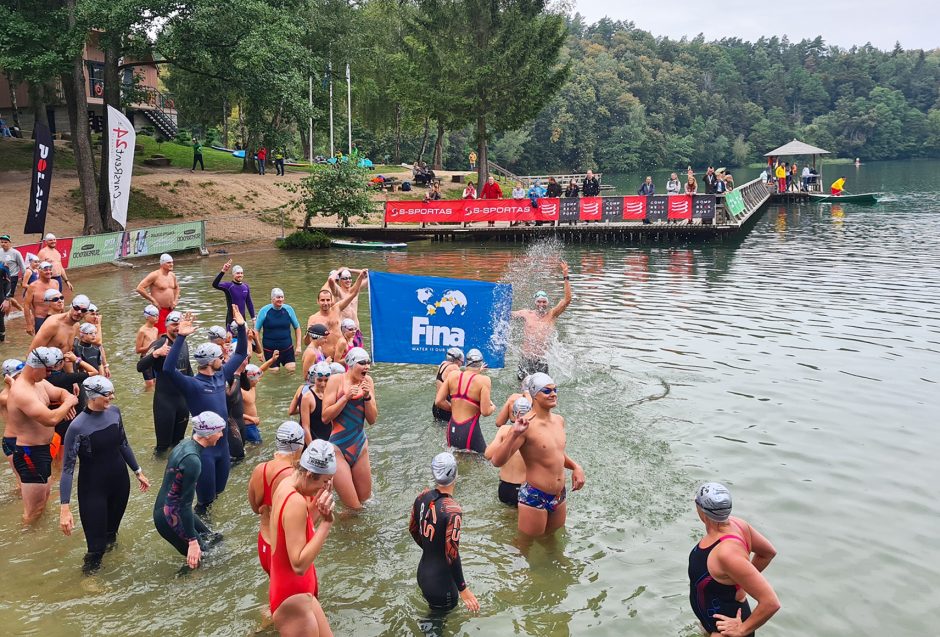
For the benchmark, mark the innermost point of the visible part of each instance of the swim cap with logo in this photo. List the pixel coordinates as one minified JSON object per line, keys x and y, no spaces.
{"x":88,"y":329}
{"x":337,"y":368}
{"x":474,"y":357}
{"x":289,"y":437}
{"x":521,"y":406}
{"x":207,"y":423}
{"x":173,"y":317}
{"x":538,"y":382}
{"x":455,"y":354}
{"x":525,"y":384}
{"x":541,"y":294}
{"x":45,"y":265}
{"x":92,"y":307}
{"x":444,"y":468}
{"x":319,"y":458}
{"x":715,"y":501}
{"x":253,"y":371}
{"x":217,"y":332}
{"x":12,"y":367}
{"x":152,"y":310}
{"x":206,"y":353}
{"x":317,"y":331}
{"x":98,"y":385}
{"x":47,"y":357}
{"x":357,"y":355}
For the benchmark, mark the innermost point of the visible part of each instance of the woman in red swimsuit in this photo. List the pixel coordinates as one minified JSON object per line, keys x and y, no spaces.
{"x":288,"y":445}
{"x":295,"y":544}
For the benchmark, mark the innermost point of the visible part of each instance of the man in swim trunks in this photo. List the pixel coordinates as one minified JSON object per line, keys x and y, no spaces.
{"x":436,"y":521}
{"x":511,"y":474}
{"x":722,"y":572}
{"x":12,"y":368}
{"x":35,"y":308}
{"x":161,"y":288}
{"x":51,"y":254}
{"x":342,"y":287}
{"x":331,"y":308}
{"x":539,"y":324}
{"x":146,"y":335}
{"x":58,"y":330}
{"x":466,"y":395}
{"x":540,"y":437}
{"x":34,"y":408}
{"x":236,"y":291}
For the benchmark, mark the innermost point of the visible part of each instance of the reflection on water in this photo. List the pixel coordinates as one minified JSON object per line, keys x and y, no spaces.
{"x":799,"y":365}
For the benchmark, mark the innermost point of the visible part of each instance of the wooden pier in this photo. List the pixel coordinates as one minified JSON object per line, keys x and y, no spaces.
{"x":729,"y":221}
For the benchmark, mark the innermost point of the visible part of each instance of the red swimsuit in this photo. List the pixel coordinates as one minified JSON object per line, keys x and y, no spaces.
{"x":264,"y":549}
{"x":284,"y":583}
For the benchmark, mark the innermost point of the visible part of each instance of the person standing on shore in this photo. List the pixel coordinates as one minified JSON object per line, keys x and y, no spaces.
{"x":13,"y":260}
{"x":279,"y":161}
{"x":161,"y":288}
{"x":197,"y":155}
{"x":262,"y":158}
{"x":51,"y":254}
{"x":473,"y":159}
{"x":722,"y":572}
{"x":491,"y":189}
{"x":647,"y":188}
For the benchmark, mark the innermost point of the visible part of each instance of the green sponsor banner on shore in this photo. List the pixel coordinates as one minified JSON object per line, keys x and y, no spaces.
{"x":734,"y":202}
{"x":104,"y":248}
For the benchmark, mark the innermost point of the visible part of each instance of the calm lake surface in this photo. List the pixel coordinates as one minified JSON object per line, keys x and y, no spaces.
{"x":799,"y":365}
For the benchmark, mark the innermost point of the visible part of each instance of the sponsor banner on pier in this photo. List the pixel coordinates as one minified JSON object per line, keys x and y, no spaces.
{"x":509,"y":210}
{"x":592,"y":208}
{"x":612,"y":209}
{"x":703,"y":207}
{"x":424,"y":212}
{"x":680,"y":207}
{"x":657,"y":208}
{"x":416,"y":319}
{"x":634,"y":208}
{"x":570,"y":209}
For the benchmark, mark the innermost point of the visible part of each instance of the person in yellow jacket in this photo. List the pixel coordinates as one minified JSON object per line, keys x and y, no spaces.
{"x":838,"y":186}
{"x":781,"y":174}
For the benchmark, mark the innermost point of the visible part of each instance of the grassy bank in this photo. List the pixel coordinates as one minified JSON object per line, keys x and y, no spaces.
{"x":141,"y":207}
{"x":17,"y":155}
{"x":181,"y":156}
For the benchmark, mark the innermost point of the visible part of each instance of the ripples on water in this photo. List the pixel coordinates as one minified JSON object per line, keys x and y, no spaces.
{"x":798,"y":365}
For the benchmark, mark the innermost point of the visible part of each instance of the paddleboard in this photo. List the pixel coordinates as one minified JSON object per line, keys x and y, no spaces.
{"x":864,"y":197}
{"x":367,"y":245}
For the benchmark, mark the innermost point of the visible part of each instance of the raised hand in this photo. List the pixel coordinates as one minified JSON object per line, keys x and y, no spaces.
{"x":237,"y":315}
{"x":226,"y":265}
{"x":187,"y":325}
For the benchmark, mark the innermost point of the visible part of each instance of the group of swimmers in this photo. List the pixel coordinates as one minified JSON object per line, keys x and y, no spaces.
{"x":58,"y":402}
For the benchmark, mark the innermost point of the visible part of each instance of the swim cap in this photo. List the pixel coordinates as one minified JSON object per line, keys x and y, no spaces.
{"x":151,"y":310}
{"x":173,"y":317}
{"x":715,"y":501}
{"x":344,"y":274}
{"x":81,"y":301}
{"x":357,"y":355}
{"x":277,"y":292}
{"x":50,"y":294}
{"x":92,"y":307}
{"x":444,"y":468}
{"x":217,"y":332}
{"x":206,"y":353}
{"x":525,"y":384}
{"x":45,"y":265}
{"x":253,"y":371}
{"x":541,"y":294}
{"x":207,"y":423}
{"x":538,"y":382}
{"x":88,"y":328}
{"x":474,"y":358}
{"x":319,"y":458}
{"x":521,"y":406}
{"x":348,"y":324}
{"x":165,"y":258}
{"x":50,"y":237}
{"x":30,"y":257}
{"x":238,"y":270}
{"x":12,"y":367}
{"x":455,"y":354}
{"x":320,"y":370}
{"x":47,"y":357}
{"x":317,"y":330}
{"x":289,"y":437}
{"x":98,"y":385}
{"x":337,"y":368}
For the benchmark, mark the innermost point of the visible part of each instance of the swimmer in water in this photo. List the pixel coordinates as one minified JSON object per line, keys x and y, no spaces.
{"x":173,"y":514}
{"x":58,"y":330}
{"x":511,"y":474}
{"x":277,"y":322}
{"x":341,"y":284}
{"x":35,"y":307}
{"x":314,"y":352}
{"x":170,"y":413}
{"x":236,"y":291}
{"x":452,"y":362}
{"x":162,"y":289}
{"x":146,"y":335}
{"x":349,"y":331}
{"x":466,"y":395}
{"x":310,"y":403}
{"x":295,"y":543}
{"x":331,"y":310}
{"x":539,"y":324}
{"x":349,"y":402}
{"x":722,"y":572}
{"x":540,"y":437}
{"x":85,"y":349}
{"x":435,"y":525}
{"x":11,"y":369}
{"x":254,"y":374}
{"x":288,"y":445}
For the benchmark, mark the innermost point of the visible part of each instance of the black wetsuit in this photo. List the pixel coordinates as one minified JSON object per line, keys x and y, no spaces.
{"x":7,"y":287}
{"x":236,"y":415}
{"x":319,"y":430}
{"x":170,"y":414}
{"x":441,"y":414}
{"x":88,"y":352}
{"x":435,"y":526}
{"x":173,"y":514}
{"x":98,"y":439}
{"x":67,"y":381}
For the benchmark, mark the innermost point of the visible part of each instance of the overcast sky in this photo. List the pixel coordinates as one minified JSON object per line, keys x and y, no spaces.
{"x":912,"y":22}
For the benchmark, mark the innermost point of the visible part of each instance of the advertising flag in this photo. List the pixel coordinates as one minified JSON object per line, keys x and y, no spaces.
{"x":43,"y":153}
{"x":121,"y":140}
{"x":416,"y":319}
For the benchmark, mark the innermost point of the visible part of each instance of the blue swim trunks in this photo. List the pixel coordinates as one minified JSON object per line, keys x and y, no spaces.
{"x":538,"y":499}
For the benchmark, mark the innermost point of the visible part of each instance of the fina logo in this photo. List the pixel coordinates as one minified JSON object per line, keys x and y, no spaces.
{"x":423,"y":333}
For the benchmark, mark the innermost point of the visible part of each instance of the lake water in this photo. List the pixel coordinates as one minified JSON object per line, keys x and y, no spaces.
{"x":799,"y":365}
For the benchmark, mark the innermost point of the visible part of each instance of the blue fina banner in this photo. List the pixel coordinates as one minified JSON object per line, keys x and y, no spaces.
{"x":416,"y":319}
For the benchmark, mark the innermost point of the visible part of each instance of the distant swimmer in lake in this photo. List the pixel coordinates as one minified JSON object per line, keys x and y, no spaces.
{"x":838,"y":187}
{"x":452,"y":362}
{"x":722,"y":572}
{"x":538,"y":329}
{"x":540,"y":437}
{"x":466,"y":395}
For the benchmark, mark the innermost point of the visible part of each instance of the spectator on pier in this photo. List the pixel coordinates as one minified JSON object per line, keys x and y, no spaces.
{"x":781,"y":174}
{"x":518,"y":192}
{"x":793,"y":174}
{"x":647,"y":187}
{"x":786,"y":166}
{"x":691,"y":186}
{"x":729,"y":182}
{"x":434,"y":194}
{"x":572,"y":190}
{"x":673,"y":186}
{"x":764,"y":177}
{"x":711,"y":179}
{"x":720,"y":187}
{"x":591,"y":187}
{"x":554,"y":188}
{"x":470,"y":192}
{"x":491,"y":190}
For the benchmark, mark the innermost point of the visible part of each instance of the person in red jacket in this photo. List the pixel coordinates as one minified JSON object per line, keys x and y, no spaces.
{"x":262,"y":157}
{"x":491,"y":190}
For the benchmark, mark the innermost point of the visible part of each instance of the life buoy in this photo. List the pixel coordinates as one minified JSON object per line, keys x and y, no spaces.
{"x":99,"y":89}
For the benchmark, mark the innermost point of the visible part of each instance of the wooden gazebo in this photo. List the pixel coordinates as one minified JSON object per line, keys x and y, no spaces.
{"x":798,"y":148}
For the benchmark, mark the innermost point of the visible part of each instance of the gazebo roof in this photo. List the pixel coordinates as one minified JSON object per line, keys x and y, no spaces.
{"x":796,"y":147}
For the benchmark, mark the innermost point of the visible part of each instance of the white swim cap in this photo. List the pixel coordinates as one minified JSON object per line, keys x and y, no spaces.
{"x":98,"y":385}
{"x":173,"y":317}
{"x":12,"y":367}
{"x":206,"y":353}
{"x":277,"y":292}
{"x":474,"y":358}
{"x":320,"y":370}
{"x":217,"y":332}
{"x":51,"y":293}
{"x":357,"y":355}
{"x":238,"y":270}
{"x":538,"y":382}
{"x":81,"y":301}
{"x":47,"y":357}
{"x":319,"y":458}
{"x":337,"y":368}
{"x":520,"y":407}
{"x":88,"y":328}
{"x":348,"y":324}
{"x":444,"y":468}
{"x":715,"y":501}
{"x":289,"y":437}
{"x":165,"y":258}
{"x":253,"y":371}
{"x":455,"y":354}
{"x":207,"y":423}
{"x":152,"y":310}
{"x":50,"y":236}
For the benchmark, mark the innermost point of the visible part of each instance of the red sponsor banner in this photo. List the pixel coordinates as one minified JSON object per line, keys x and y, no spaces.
{"x":592,"y":208}
{"x":634,"y":208}
{"x":64,"y":246}
{"x":421,"y":212}
{"x":680,"y":207}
